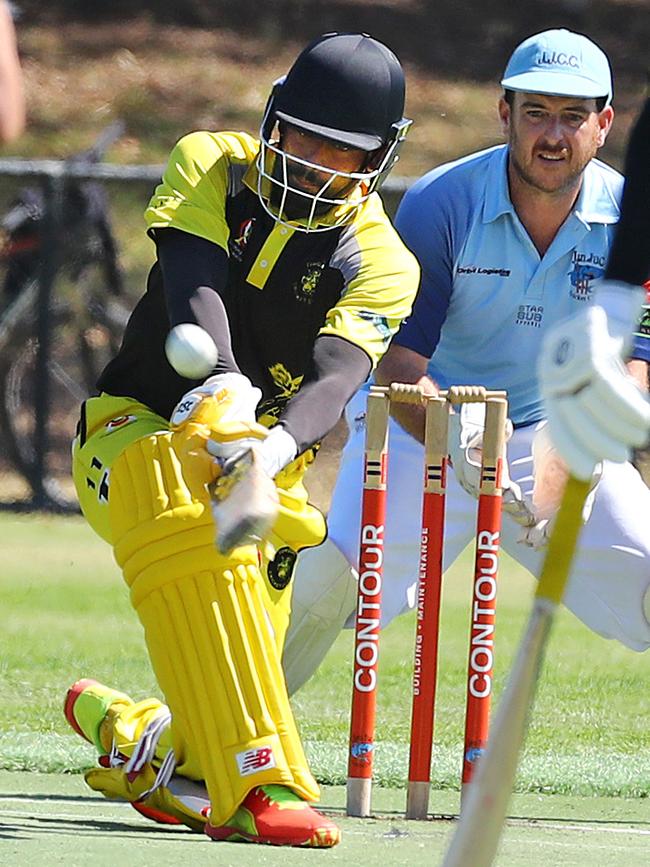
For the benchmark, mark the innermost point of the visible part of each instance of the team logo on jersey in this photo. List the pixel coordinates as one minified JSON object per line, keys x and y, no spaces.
{"x":280,"y":569}
{"x":305,"y":288}
{"x":238,"y":244}
{"x":587,"y":267}
{"x":380,"y":323}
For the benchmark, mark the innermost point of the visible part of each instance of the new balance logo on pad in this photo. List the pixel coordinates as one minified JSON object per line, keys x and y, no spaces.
{"x":252,"y":761}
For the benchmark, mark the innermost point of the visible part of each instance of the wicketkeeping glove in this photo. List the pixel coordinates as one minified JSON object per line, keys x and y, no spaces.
{"x":595,"y":409}
{"x":466,"y":430}
{"x":550,"y":474}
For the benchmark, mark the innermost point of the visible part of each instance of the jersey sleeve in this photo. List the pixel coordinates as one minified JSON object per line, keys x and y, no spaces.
{"x":192,"y":194}
{"x":424,"y":226}
{"x":381,"y":280}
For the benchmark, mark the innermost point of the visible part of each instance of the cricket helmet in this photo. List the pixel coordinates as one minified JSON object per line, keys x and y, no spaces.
{"x":345,"y":87}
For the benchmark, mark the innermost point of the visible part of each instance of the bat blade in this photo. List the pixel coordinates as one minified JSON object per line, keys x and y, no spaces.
{"x":476,"y":838}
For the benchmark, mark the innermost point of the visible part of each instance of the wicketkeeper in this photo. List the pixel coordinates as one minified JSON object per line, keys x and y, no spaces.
{"x":279,"y":248}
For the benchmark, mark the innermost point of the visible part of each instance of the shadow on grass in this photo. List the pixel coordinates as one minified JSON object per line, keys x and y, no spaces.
{"x":79,"y":799}
{"x":34,"y":826}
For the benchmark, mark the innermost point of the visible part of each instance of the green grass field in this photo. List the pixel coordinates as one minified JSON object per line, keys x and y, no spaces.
{"x":66,"y":615}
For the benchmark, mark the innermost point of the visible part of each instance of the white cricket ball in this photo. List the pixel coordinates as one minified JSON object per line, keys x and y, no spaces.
{"x":191,"y":351}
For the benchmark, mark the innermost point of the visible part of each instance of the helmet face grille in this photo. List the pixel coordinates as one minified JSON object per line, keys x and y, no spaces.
{"x":322,"y":209}
{"x":305,"y":211}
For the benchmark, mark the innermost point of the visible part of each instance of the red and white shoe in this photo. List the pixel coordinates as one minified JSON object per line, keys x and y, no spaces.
{"x":275,"y":815}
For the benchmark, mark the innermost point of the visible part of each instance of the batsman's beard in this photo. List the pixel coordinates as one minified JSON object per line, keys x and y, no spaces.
{"x":299,"y":198}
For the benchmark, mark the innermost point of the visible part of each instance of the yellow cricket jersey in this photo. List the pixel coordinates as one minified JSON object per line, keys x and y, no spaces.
{"x":284,"y":287}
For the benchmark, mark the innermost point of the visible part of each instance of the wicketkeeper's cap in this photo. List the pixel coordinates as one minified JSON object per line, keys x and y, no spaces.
{"x":559,"y":63}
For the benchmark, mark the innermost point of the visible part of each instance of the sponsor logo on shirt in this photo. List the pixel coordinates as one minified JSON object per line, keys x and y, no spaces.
{"x":380,"y":322}
{"x":286,"y":386}
{"x":119,"y":422}
{"x":587,"y":267}
{"x":530,"y":314}
{"x":486,"y":272}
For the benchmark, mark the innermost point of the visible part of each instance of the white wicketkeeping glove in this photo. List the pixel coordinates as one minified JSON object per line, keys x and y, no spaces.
{"x":466,"y":429}
{"x":594,"y":408}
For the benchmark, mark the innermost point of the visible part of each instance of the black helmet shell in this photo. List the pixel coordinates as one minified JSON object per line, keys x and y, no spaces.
{"x":344,"y":86}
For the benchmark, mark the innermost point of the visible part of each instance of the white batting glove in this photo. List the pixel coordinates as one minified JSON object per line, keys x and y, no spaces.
{"x":594,"y":408}
{"x":467,"y":427}
{"x":242,"y":398}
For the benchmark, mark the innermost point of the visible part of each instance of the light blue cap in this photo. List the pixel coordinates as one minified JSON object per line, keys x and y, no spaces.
{"x":559,"y":62}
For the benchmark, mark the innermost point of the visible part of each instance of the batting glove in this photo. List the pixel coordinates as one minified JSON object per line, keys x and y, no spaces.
{"x":594,"y":408}
{"x":221,"y":445}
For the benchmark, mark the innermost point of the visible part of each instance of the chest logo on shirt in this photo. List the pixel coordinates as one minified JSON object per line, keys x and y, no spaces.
{"x":587,"y":267}
{"x":237,"y":245}
{"x":304,"y":289}
{"x":119,"y":422}
{"x":483,"y":270}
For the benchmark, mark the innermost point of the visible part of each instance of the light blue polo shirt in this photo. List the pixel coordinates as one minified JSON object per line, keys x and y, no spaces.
{"x":486,"y":297}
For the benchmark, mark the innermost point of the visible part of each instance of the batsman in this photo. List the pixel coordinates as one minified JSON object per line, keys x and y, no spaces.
{"x":279,"y":249}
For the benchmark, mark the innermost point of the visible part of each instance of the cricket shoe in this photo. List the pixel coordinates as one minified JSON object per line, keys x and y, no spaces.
{"x":154,"y":791}
{"x":275,"y":815}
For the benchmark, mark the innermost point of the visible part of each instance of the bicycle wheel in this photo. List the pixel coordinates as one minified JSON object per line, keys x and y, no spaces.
{"x":85,"y":333}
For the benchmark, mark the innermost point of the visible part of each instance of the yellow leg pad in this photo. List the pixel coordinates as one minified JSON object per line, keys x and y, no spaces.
{"x":207,"y":630}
